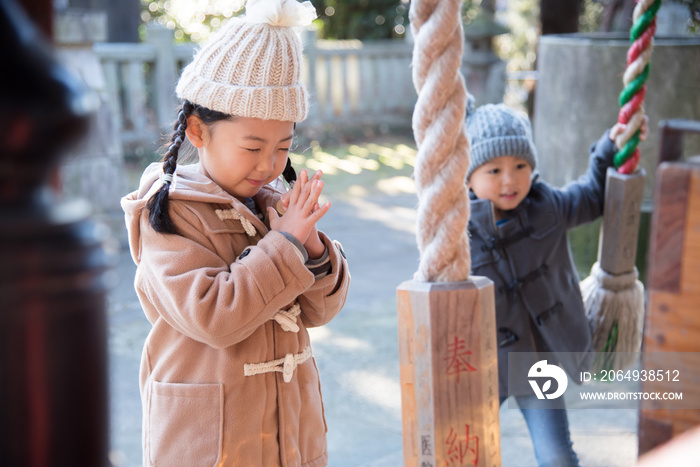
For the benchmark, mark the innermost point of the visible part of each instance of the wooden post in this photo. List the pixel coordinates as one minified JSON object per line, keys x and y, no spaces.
{"x":447,"y":322}
{"x":449,"y":373}
{"x":53,"y":364}
{"x":619,"y":233}
{"x":41,"y":12}
{"x":672,"y":320}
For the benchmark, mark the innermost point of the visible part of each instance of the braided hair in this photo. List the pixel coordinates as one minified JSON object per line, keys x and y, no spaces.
{"x":159,"y":215}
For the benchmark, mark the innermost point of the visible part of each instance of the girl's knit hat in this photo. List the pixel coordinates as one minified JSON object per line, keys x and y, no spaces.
{"x":251,"y":67}
{"x":495,"y":130}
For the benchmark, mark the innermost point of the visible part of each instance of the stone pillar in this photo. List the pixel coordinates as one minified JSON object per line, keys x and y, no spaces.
{"x":673,"y":19}
{"x":166,"y":76}
{"x":94,"y":170}
{"x":580,"y":79}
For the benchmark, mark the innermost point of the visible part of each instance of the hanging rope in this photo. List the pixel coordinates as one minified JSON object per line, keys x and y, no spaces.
{"x":634,"y":80}
{"x":614,"y":301}
{"x":442,"y":160}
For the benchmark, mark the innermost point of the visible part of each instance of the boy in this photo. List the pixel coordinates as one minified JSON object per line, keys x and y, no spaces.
{"x":518,"y":239}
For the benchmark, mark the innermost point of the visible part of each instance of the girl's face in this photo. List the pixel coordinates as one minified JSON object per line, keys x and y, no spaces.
{"x":505,"y":181}
{"x":242,"y":154}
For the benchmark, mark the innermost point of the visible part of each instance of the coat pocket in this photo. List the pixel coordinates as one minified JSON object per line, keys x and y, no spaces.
{"x":184,"y":424}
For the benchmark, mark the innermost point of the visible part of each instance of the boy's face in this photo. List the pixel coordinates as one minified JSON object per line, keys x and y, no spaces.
{"x":505,"y":181}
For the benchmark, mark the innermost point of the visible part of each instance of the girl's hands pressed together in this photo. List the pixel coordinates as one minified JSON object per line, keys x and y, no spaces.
{"x":302,"y":213}
{"x":316,"y":176}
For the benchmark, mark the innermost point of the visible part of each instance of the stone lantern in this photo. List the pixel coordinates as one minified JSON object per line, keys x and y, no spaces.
{"x":94,"y":168}
{"x":484,"y":72}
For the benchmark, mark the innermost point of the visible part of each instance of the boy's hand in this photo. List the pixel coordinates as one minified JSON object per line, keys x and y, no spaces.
{"x":302,"y":213}
{"x":619,"y":131}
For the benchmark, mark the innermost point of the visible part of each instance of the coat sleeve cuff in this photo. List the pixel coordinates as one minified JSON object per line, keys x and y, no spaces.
{"x":300,"y":248}
{"x":322,"y":266}
{"x":336,"y":277}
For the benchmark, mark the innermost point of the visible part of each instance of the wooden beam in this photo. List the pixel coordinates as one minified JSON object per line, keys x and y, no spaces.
{"x":672,"y":323}
{"x":449,"y":373}
{"x":668,"y":229}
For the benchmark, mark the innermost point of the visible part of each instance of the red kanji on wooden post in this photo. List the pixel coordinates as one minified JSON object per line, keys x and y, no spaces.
{"x":446,"y":385}
{"x":457,"y":361}
{"x":462,"y":448}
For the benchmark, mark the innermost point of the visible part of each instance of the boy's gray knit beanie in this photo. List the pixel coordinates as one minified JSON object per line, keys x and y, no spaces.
{"x":495,"y":130}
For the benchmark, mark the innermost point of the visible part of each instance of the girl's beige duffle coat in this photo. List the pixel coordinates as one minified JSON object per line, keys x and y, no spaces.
{"x":223,"y":383}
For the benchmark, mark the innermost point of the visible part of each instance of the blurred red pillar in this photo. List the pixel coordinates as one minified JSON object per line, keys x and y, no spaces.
{"x":41,"y":12}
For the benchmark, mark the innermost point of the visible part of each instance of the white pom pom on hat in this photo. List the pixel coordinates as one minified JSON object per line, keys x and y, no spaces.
{"x":251,"y":67}
{"x":280,"y":13}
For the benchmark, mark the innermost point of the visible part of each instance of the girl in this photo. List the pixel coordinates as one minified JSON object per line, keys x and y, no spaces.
{"x":231,"y":273}
{"x":518,"y":230}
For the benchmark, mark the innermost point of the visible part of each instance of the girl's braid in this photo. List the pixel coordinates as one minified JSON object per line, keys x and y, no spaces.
{"x":289,"y":173}
{"x":159,"y":215}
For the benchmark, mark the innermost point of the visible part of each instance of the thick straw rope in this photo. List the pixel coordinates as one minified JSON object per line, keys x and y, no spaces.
{"x":442,"y":160}
{"x":634,"y":80}
{"x":615,"y":308}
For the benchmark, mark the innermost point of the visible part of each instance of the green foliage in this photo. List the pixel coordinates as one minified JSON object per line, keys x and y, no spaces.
{"x":519,"y":48}
{"x":694,"y":8}
{"x":591,"y":14}
{"x":593,"y":11}
{"x":194,"y":20}
{"x":363,"y":19}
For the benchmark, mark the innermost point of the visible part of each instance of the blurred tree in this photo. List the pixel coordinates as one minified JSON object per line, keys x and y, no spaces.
{"x":363,"y":19}
{"x":694,"y":8}
{"x":338,"y":19}
{"x":383,"y":19}
{"x":190,"y":20}
{"x":616,"y":15}
{"x":523,"y":17}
